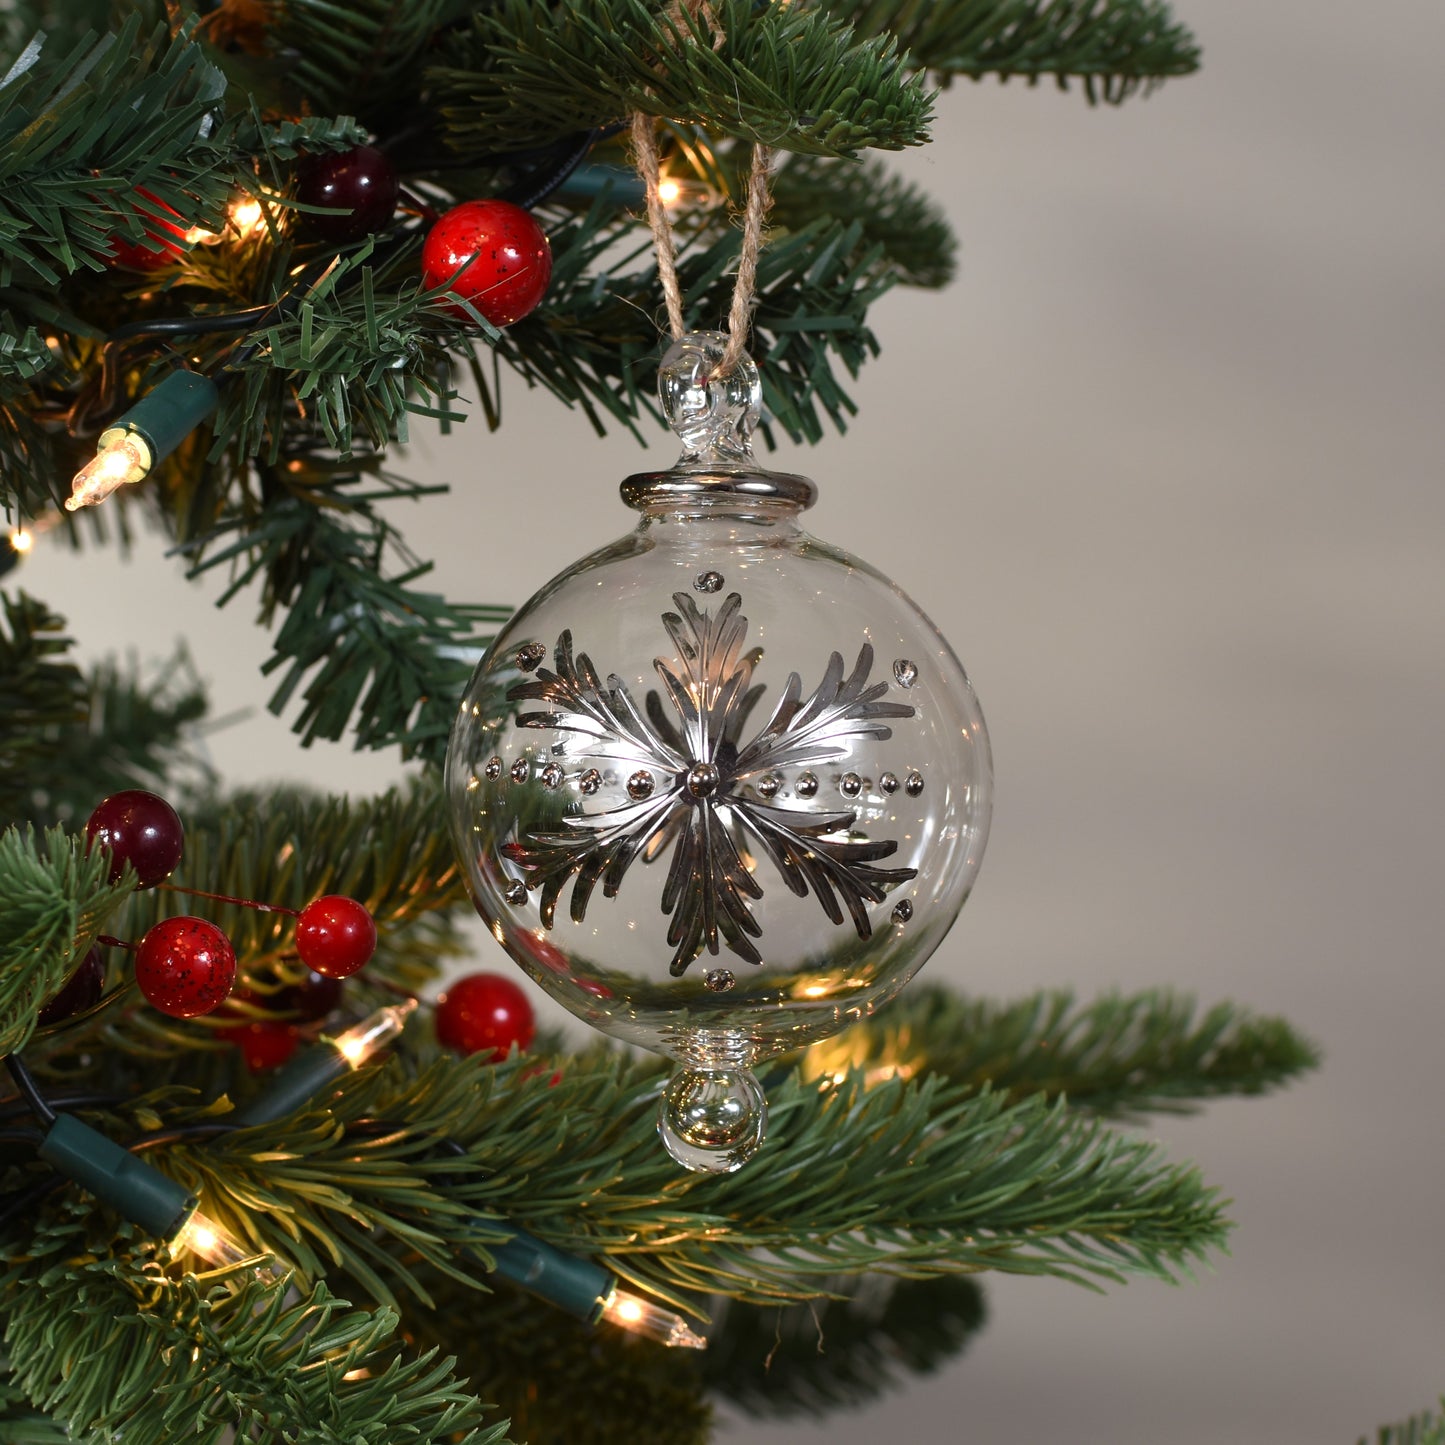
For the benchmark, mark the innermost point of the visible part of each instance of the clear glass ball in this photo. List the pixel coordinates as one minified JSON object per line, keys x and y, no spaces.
{"x":720,"y":789}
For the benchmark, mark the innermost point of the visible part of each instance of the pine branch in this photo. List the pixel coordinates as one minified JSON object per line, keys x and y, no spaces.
{"x":361,"y":54}
{"x":912,"y":1179}
{"x":1426,"y":1428}
{"x":1115,"y":47}
{"x":42,"y":695}
{"x":562,"y":1382}
{"x":94,"y":1338}
{"x":867,"y":1336}
{"x":137,"y":733}
{"x":54,"y":899}
{"x":83,"y":133}
{"x":900,"y":225}
{"x":596,"y":346}
{"x":1121,"y":1056}
{"x":786,"y":76}
{"x":366,"y":646}
{"x":352,"y":351}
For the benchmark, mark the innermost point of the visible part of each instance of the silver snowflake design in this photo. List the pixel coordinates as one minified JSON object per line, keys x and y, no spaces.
{"x":694,"y":785}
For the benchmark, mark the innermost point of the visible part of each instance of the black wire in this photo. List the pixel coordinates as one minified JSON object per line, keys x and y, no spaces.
{"x":26,"y":1085}
{"x":178,"y":1133}
{"x":531,"y":190}
{"x":62,"y":1103}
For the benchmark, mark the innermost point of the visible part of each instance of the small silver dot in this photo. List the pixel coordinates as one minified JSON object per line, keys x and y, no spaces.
{"x":889,"y":782}
{"x":532,"y":654}
{"x":902,"y":911}
{"x":553,"y":776}
{"x":516,"y":891}
{"x":806,"y":786}
{"x":913,"y":784}
{"x":590,"y":781}
{"x":702,"y":779}
{"x":521,"y":770}
{"x":709,"y":582}
{"x":906,"y":672}
{"x":493,"y":769}
{"x":850,"y":785}
{"x":769,"y":784}
{"x":641,"y":784}
{"x":719,"y":980}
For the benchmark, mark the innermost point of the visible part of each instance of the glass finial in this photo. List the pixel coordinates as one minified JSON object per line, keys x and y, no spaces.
{"x":713,"y":415}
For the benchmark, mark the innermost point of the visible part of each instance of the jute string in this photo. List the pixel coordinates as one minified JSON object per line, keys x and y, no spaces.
{"x":755,"y":209}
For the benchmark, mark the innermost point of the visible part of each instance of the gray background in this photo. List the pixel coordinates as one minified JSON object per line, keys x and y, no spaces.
{"x":1164,"y":466}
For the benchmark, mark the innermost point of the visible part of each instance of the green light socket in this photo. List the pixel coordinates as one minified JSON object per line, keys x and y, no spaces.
{"x":576,"y":1285}
{"x":171,"y":411}
{"x":130,"y":1186}
{"x":295,"y":1086}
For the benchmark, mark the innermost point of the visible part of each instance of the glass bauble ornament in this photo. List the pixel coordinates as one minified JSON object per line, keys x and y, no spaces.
{"x":719,"y":788}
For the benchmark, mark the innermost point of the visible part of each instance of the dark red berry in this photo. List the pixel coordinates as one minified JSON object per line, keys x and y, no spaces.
{"x":185,"y":966}
{"x":316,"y":997}
{"x":81,"y":991}
{"x":263,"y":1045}
{"x":140,"y":829}
{"x":484,"y":1011}
{"x":492,"y":254}
{"x":360,"y":184}
{"x":335,"y":936}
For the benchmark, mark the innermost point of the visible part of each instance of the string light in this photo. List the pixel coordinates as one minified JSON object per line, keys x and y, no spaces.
{"x":320,"y":1067}
{"x":668,"y":191}
{"x":245,"y":216}
{"x":644,"y":1317}
{"x":123,"y":457}
{"x":149,"y":1199}
{"x":203,"y":1236}
{"x":362,"y":1040}
{"x":581,"y":1287}
{"x":148,"y":433}
{"x":21,"y":540}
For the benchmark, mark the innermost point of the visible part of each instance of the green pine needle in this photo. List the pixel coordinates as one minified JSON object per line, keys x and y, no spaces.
{"x":103,"y":1343}
{"x":1426,"y":1428}
{"x":54,"y":899}
{"x":1119,"y":1056}
{"x":790,"y":76}
{"x":1115,"y":47}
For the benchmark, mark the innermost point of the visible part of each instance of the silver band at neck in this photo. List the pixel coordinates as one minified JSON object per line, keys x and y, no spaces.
{"x":647,"y":490}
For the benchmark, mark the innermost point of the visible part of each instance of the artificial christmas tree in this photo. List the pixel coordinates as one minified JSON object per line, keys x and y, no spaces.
{"x":416,"y":1187}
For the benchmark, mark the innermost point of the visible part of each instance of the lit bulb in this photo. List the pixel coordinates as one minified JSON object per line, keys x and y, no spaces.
{"x":362,"y":1040}
{"x":668,"y":191}
{"x":246,"y":215}
{"x":203,"y":1236}
{"x":21,"y":540}
{"x":642,"y":1317}
{"x":123,"y":457}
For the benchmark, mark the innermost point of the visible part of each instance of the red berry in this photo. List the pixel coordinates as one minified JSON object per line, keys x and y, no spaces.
{"x":360,"y":184}
{"x":263,"y":1045}
{"x":162,"y":243}
{"x":185,"y":966}
{"x":484,"y":1011}
{"x":492,"y":254}
{"x":140,"y":829}
{"x":335,"y":936}
{"x":82,"y":990}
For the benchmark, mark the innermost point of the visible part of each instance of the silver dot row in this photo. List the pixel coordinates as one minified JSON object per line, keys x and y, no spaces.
{"x":642,"y":784}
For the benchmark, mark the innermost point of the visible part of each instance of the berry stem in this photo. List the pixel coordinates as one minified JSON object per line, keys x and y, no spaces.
{"x":239,"y":902}
{"x":110,"y":942}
